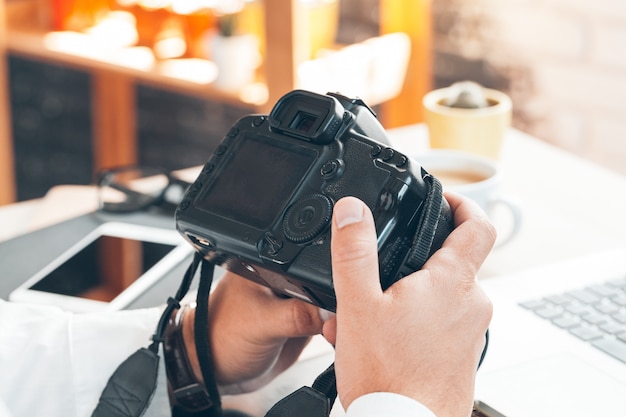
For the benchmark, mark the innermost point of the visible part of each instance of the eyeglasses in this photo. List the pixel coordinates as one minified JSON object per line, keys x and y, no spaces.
{"x":134,"y":188}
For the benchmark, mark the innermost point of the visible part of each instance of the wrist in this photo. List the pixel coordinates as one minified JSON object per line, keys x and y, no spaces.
{"x":188,"y":333}
{"x":185,"y":383}
{"x":190,"y":346}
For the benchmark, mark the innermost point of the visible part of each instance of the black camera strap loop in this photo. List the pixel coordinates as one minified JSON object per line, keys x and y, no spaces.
{"x":131,"y":387}
{"x":203,"y":344}
{"x":314,"y":401}
{"x":327,"y":384}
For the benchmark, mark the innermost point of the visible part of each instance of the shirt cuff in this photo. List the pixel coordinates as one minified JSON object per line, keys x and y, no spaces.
{"x":387,"y":404}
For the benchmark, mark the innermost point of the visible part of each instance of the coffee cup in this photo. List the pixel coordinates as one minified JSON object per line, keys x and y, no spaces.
{"x":478,"y":178}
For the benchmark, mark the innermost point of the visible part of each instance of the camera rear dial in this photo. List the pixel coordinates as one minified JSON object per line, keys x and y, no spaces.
{"x":307,"y":218}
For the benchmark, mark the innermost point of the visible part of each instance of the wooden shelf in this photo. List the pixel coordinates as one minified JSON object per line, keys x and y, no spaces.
{"x":113,"y":107}
{"x":113,"y":83}
{"x":113,"y":88}
{"x":31,"y":43}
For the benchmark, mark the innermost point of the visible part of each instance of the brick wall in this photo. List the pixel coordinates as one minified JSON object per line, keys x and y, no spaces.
{"x":562,"y":61}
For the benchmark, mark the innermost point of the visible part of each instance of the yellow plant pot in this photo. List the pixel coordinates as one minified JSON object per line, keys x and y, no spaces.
{"x":479,"y":130}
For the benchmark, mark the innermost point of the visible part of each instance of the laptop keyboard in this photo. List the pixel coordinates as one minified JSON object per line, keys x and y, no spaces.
{"x":595,"y":314}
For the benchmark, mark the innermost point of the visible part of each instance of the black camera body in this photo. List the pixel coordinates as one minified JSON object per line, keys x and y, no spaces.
{"x":262,"y":204}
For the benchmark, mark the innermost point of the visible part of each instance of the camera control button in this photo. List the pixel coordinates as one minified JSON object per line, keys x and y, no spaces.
{"x":376,"y":150}
{"x":329,"y":168}
{"x":332,"y":169}
{"x":196,"y":186}
{"x":402,"y":161}
{"x":220,"y":150}
{"x":208,"y":168}
{"x":388,"y":154}
{"x":184,"y":204}
{"x":307,"y":218}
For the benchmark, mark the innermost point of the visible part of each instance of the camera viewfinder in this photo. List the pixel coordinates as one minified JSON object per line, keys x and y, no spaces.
{"x":308,"y":116}
{"x":303,"y":122}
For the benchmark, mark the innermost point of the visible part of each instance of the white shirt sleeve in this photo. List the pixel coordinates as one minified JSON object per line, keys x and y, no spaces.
{"x":56,"y":363}
{"x":387,"y":404}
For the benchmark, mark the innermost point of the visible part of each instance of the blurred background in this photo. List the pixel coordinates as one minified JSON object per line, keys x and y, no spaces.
{"x":90,"y":84}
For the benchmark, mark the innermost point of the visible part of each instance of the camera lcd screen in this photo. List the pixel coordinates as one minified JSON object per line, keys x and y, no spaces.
{"x":257,"y":182}
{"x":104,"y":268}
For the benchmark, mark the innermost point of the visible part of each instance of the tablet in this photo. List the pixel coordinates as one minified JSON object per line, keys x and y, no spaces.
{"x":107,"y":269}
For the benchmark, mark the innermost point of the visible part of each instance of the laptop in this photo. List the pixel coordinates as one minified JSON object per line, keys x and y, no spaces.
{"x":551,"y":353}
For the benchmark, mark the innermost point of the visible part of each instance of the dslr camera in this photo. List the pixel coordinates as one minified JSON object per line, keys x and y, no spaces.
{"x":262,"y":205}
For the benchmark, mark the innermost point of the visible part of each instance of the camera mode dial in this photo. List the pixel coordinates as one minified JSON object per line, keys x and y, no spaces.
{"x":307,"y":218}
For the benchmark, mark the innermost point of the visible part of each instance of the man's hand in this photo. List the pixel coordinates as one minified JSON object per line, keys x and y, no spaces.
{"x":423,"y":336}
{"x":254,"y":334}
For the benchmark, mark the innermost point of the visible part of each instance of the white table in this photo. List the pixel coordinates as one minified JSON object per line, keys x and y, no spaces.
{"x":571,"y":207}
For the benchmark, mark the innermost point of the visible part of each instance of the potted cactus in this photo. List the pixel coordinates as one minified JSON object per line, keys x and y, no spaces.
{"x":468,"y":117}
{"x":236,"y":54}
{"x":466,"y":95}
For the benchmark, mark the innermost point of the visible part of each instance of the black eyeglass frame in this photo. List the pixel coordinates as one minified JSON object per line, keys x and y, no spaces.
{"x":135,"y":200}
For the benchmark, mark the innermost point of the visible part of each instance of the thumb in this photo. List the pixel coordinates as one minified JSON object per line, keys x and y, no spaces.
{"x":354,"y":254}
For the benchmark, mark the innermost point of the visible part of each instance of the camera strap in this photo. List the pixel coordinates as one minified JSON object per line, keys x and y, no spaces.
{"x":131,"y":387}
{"x":314,"y":401}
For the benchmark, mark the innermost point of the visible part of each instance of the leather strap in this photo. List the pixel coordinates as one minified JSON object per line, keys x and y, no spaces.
{"x":190,"y":394}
